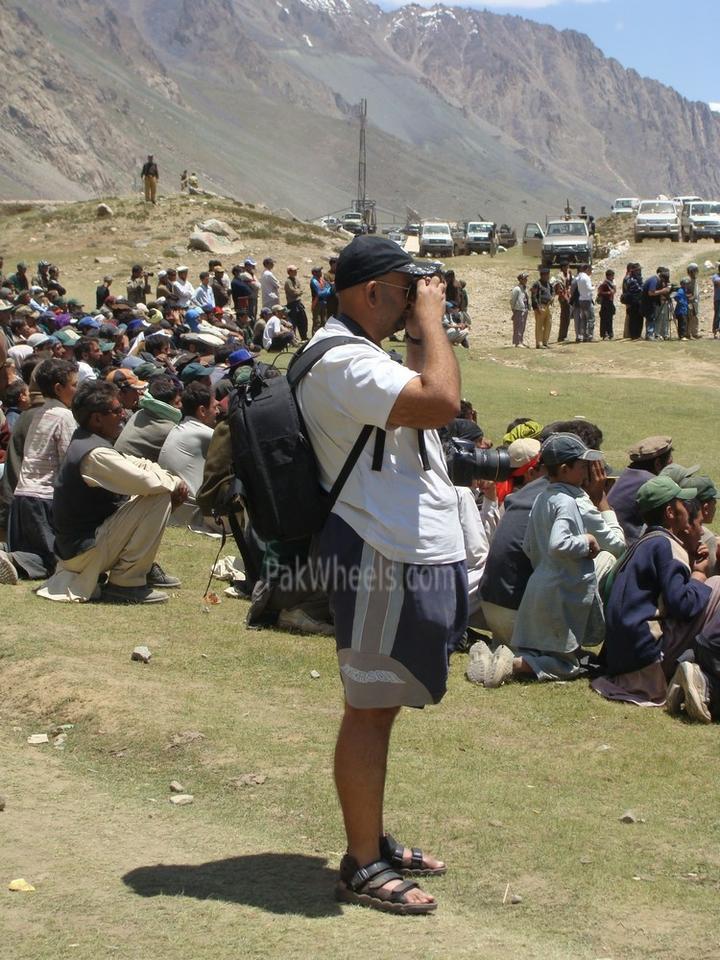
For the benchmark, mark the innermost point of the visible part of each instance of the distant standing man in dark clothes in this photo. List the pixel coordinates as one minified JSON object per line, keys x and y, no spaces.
{"x":150,"y":177}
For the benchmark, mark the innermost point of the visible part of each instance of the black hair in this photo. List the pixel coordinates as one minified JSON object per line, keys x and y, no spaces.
{"x":82,"y":346}
{"x":17,"y":323}
{"x":590,"y":434}
{"x":93,"y":396}
{"x":195,"y":395}
{"x":694,"y":508}
{"x":53,"y":372}
{"x":27,"y":367}
{"x":14,"y":392}
{"x":164,"y":388}
{"x":223,"y":351}
{"x":204,"y":275}
{"x":554,"y":469}
{"x":155,"y":344}
{"x":516,"y":423}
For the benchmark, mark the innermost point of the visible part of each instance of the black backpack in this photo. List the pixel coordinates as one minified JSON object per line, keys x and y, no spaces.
{"x":273,"y":458}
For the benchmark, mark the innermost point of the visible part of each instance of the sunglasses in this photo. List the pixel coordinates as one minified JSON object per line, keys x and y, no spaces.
{"x":400,"y":286}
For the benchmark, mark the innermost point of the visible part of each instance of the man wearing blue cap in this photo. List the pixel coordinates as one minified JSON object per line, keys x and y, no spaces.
{"x":392,"y":546}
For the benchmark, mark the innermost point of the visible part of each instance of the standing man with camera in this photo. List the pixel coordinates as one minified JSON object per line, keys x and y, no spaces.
{"x":392,"y":548}
{"x":138,"y":286}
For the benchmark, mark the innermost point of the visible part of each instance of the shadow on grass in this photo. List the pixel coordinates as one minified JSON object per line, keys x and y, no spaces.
{"x":277,"y":882}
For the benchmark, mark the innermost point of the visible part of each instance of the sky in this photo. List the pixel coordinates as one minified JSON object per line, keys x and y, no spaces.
{"x":671,"y":41}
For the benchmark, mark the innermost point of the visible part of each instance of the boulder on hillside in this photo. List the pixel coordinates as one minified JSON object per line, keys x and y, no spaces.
{"x":103,"y":211}
{"x":210,"y":243}
{"x":218,"y":227}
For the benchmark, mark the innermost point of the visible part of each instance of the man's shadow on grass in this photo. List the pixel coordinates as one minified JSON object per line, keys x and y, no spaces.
{"x":277,"y":882}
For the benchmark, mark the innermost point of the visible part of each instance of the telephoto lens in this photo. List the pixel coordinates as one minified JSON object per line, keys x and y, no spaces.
{"x":465,"y":462}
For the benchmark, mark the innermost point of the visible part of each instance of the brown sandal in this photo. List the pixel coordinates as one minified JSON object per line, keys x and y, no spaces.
{"x":392,"y":851}
{"x":363,"y":886}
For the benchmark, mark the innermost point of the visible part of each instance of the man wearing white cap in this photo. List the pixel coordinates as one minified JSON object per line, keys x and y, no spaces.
{"x":183,"y":288}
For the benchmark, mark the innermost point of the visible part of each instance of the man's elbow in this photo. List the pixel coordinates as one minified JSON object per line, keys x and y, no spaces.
{"x":443,"y":411}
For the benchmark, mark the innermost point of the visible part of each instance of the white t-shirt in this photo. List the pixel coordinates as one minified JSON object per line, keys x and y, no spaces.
{"x":585,"y":286}
{"x":86,"y":372}
{"x":273,"y":328}
{"x":185,"y":292}
{"x":406,"y":513}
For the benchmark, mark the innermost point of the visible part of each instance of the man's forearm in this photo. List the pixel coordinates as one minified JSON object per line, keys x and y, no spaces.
{"x":434,"y":360}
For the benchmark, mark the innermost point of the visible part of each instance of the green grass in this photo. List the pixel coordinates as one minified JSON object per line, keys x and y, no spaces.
{"x":524,"y":785}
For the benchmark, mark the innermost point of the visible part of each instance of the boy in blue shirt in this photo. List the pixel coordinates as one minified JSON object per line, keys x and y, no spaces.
{"x":682,"y":309}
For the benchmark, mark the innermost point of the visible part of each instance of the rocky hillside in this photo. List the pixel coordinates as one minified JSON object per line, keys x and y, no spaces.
{"x":471,"y":113}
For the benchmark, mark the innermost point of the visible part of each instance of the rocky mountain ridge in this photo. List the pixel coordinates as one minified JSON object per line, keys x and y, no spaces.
{"x":470,"y":112}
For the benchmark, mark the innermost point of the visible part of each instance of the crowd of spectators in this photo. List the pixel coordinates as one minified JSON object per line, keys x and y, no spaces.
{"x":108,"y":417}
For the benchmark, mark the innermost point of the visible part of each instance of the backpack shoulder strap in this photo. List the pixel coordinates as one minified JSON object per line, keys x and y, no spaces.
{"x":306,"y":358}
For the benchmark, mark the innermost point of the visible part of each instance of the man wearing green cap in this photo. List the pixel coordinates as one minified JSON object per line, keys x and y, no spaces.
{"x":660,"y":598}
{"x":707,"y":495}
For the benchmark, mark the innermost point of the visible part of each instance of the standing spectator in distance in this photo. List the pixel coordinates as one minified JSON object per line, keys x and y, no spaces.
{"x":42,"y":279}
{"x":278,"y":333}
{"x":585,"y":315}
{"x":320,"y":292}
{"x":520,"y":306}
{"x":254,"y":284}
{"x":31,"y":534}
{"x":682,"y":309}
{"x":138,"y":286}
{"x":204,"y":296}
{"x":240,"y":289}
{"x":19,"y":280}
{"x":332,"y":301}
{"x":295,"y":306}
{"x":606,"y":299}
{"x":165,"y":289}
{"x":652,"y":289}
{"x":452,"y":288}
{"x":109,"y":511}
{"x":54,"y":281}
{"x":184,"y":290}
{"x":150,"y":176}
{"x":541,"y":298}
{"x":633,"y":294}
{"x":102,"y":292}
{"x":662,"y":314}
{"x":269,"y":284}
{"x":220,"y":283}
{"x":693,"y":294}
{"x":716,"y":303}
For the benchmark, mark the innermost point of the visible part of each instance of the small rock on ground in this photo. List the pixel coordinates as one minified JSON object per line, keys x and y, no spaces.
{"x":176,"y":787}
{"x":37,"y":738}
{"x":182,"y":799}
{"x":141,"y":654}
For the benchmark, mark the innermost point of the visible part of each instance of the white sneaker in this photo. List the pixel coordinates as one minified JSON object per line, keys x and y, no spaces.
{"x":501,"y":667}
{"x":478,"y":669}
{"x":695,"y":686}
{"x":297,"y":620}
{"x":8,"y":573}
{"x":675,"y":695}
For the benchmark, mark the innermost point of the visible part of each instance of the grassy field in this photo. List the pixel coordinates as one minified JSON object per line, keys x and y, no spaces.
{"x":523,"y":786}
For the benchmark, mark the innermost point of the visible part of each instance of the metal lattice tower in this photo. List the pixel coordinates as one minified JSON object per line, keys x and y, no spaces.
{"x":362,"y":160}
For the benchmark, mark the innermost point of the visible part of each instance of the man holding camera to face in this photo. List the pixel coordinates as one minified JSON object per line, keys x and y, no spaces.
{"x":392,"y":548}
{"x":138,"y":286}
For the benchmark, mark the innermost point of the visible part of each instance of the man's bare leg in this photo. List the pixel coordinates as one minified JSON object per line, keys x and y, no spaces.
{"x":360,"y":768}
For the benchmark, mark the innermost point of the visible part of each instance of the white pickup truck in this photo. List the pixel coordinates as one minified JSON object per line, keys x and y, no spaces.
{"x":657,"y":218}
{"x":625,"y":205}
{"x":701,"y":220}
{"x":562,"y":241}
{"x":436,"y":239}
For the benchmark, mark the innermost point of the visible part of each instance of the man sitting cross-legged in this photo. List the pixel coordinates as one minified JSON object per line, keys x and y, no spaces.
{"x":109,"y":510}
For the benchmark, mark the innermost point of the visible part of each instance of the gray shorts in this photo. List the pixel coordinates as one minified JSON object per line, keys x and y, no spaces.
{"x":395,"y":623}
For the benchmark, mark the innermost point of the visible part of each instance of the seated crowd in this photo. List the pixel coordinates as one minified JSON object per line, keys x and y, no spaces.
{"x":108,"y":421}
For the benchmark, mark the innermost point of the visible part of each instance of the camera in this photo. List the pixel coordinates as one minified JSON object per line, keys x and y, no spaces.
{"x":465,"y":462}
{"x":148,"y":274}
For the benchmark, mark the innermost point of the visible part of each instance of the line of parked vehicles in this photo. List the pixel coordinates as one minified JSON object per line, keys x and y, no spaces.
{"x":679,"y":218}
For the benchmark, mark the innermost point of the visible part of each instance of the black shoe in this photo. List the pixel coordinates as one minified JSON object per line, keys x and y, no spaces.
{"x":158,"y":578}
{"x":112,"y":593}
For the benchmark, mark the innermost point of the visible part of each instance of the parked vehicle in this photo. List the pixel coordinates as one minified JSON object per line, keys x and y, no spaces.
{"x":353,"y":223}
{"x":625,"y":206}
{"x":477,"y":236}
{"x":507,"y":237}
{"x":701,"y":219}
{"x":562,"y":241}
{"x":683,"y":201}
{"x":436,"y":239}
{"x":657,"y":218}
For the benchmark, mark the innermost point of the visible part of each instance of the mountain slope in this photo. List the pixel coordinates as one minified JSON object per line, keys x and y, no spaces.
{"x":470,"y":113}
